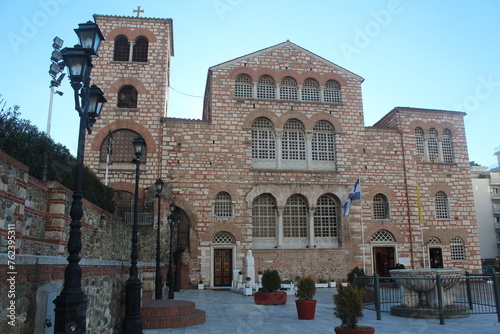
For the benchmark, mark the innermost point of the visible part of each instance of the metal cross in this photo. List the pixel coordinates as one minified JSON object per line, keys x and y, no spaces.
{"x":138,"y":11}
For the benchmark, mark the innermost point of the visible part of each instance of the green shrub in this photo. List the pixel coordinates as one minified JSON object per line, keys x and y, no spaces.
{"x":348,"y":305}
{"x":356,"y":272}
{"x":306,"y":289}
{"x":271,"y":280}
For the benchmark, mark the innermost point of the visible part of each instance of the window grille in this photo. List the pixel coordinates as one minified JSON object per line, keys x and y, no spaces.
{"x":264,"y":217}
{"x":127,"y":97}
{"x":419,"y":140}
{"x":123,"y":150}
{"x":295,"y":218}
{"x":323,"y":142}
{"x":223,"y":206}
{"x":288,"y":89}
{"x":379,"y":206}
{"x":326,"y":217}
{"x":433,"y":147}
{"x":243,"y":86}
{"x":433,"y":241}
{"x":331,"y":92}
{"x":266,"y":89}
{"x":310,"y":90}
{"x":263,"y":141}
{"x":446,"y":147}
{"x":223,"y":238}
{"x":140,"y":52}
{"x":441,"y":202}
{"x":457,"y":249}
{"x":122,"y":49}
{"x":293,"y":143}
{"x":383,"y":235}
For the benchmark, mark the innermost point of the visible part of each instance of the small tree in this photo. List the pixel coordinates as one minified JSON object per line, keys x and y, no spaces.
{"x":356,"y":271}
{"x":271,"y":281}
{"x":348,"y":305}
{"x":306,"y":289}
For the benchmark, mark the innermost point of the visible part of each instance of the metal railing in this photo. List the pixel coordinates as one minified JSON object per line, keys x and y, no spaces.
{"x":143,"y":218}
{"x":474,"y":294}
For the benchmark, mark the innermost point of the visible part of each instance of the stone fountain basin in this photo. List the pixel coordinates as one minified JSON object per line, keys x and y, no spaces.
{"x":448,"y":278}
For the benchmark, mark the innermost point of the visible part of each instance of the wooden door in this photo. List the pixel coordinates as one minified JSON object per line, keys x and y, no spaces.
{"x":222,"y":267}
{"x":384,"y":260}
{"x":436,"y":257}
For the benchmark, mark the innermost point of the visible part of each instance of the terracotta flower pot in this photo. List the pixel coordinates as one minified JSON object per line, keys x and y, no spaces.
{"x":270,"y":298}
{"x":305,"y":309}
{"x":357,"y":330}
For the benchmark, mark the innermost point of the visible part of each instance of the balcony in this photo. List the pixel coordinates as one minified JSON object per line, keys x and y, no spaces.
{"x":143,"y":218}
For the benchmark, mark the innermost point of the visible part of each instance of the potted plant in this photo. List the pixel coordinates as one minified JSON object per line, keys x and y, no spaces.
{"x":201,"y":286}
{"x":349,"y":309}
{"x":269,"y":294}
{"x":306,"y":305}
{"x":247,"y":290}
{"x":362,"y":283}
{"x":321,"y":283}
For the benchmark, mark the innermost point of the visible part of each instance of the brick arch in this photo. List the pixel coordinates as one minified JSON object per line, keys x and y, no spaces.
{"x":252,"y":197}
{"x":439,"y":126}
{"x":323,"y":78}
{"x":128,"y":187}
{"x":288,"y":73}
{"x":370,"y":191}
{"x":131,"y":34}
{"x":217,"y":227}
{"x":242,"y":70}
{"x":313,"y":198}
{"x":266,"y":71}
{"x":115,"y":87}
{"x":280,"y":122}
{"x":440,"y":186}
{"x":378,"y":225}
{"x":324,"y":117}
{"x":247,"y":123}
{"x":124,"y":124}
{"x":231,"y":189}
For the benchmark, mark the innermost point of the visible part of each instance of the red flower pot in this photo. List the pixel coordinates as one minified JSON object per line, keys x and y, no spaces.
{"x":357,"y":330}
{"x":270,"y":298}
{"x":305,"y":309}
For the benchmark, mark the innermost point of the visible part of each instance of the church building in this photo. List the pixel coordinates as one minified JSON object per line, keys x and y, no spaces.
{"x":279,"y":146}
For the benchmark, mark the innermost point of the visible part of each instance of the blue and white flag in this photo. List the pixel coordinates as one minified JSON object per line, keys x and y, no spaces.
{"x":353,"y":195}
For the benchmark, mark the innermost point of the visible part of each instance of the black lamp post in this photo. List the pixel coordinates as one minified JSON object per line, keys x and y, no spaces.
{"x":158,"y":287}
{"x":171,"y":224}
{"x":133,"y":322}
{"x":71,"y":304}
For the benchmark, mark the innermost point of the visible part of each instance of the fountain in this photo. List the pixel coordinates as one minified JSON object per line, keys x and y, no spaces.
{"x":419,"y":296}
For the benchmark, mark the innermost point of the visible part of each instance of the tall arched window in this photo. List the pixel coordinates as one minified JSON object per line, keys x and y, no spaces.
{"x":288,"y":89}
{"x":457,"y":249}
{"x":263,"y":141}
{"x":127,"y":97}
{"x":140,"y":52}
{"x":295,"y":217}
{"x":223,"y":205}
{"x":122,"y":49}
{"x":380,"y":207}
{"x":293,"y":143}
{"x":123,"y":150}
{"x":419,"y":141}
{"x":266,"y":88}
{"x":441,"y":203}
{"x":323,"y":142}
{"x":310,"y":90}
{"x":264,"y":217}
{"x":331,"y":92}
{"x":383,"y":236}
{"x":243,"y":86}
{"x":432,"y":145}
{"x":326,"y":217}
{"x":446,"y":147}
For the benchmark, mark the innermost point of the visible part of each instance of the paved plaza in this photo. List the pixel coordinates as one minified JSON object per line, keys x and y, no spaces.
{"x":229,"y":312}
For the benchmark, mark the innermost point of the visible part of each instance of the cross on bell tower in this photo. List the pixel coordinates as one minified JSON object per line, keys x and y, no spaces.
{"x":138,"y":11}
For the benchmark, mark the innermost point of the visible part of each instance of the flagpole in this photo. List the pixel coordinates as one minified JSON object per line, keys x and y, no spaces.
{"x":362,"y":227}
{"x":419,"y":205}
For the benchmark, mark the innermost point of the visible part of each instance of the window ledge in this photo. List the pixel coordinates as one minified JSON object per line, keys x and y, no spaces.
{"x":243,"y":99}
{"x":121,"y":109}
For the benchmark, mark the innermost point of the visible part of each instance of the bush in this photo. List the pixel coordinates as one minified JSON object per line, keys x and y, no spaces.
{"x":357,"y":272}
{"x":348,"y":305}
{"x":306,"y":289}
{"x":271,"y":281}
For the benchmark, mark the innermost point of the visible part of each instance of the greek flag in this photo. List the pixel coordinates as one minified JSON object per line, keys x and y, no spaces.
{"x":353,"y":195}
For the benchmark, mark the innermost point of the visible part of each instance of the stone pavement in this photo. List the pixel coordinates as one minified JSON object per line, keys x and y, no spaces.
{"x":229,"y":312}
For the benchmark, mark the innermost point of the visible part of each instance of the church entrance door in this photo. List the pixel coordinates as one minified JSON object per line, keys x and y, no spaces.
{"x":223,"y":267}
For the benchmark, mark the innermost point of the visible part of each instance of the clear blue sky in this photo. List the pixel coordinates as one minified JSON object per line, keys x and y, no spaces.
{"x":428,"y":54}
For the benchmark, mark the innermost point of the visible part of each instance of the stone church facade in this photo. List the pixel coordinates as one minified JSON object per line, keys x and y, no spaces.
{"x":267,"y":168}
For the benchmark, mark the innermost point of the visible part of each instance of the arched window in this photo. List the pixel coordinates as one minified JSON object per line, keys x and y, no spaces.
{"x":441,"y":203}
{"x":243,"y":86}
{"x":310,"y":90}
{"x":295,"y":217}
{"x":288,"y":89}
{"x":432,"y":145}
{"x":433,"y":241}
{"x":263,"y":141}
{"x":419,"y":141}
{"x":457,"y":249}
{"x":380,"y":207}
{"x":266,"y":88}
{"x":127,"y":97}
{"x":223,"y":238}
{"x":140,"y":53}
{"x":123,"y":150}
{"x":323,"y":142}
{"x":383,"y":236}
{"x":326,"y":217}
{"x":293,"y":143}
{"x":223,"y":205}
{"x":122,"y":49}
{"x":331,"y":92}
{"x":264,"y":217}
{"x":446,"y":147}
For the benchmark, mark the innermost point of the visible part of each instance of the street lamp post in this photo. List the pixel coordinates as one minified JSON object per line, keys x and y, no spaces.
{"x":171,"y":224}
{"x":71,"y":304}
{"x":133,"y":322}
{"x":158,"y":287}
